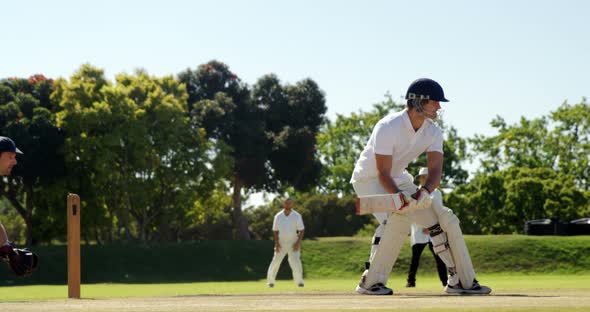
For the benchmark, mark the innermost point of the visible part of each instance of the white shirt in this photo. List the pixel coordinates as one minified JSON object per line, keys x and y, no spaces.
{"x":394,"y":135}
{"x":287,"y":225}
{"x":417,"y":237}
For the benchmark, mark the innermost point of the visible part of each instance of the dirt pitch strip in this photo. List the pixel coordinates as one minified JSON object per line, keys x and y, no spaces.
{"x":512,"y":301}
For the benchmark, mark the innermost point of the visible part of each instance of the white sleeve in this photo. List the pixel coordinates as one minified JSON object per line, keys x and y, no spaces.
{"x":383,"y":141}
{"x":413,"y":230}
{"x":275,"y":226}
{"x":437,"y":143}
{"x":437,"y":200}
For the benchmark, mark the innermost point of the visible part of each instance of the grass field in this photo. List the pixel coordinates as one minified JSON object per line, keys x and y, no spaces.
{"x":510,"y":293}
{"x":545,"y":274}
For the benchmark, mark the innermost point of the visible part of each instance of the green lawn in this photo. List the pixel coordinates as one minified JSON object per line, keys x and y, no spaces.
{"x":499,"y":282}
{"x":334,"y":258}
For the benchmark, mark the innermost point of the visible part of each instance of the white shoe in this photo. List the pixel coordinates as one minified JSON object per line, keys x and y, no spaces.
{"x":476,"y":289}
{"x":377,"y":289}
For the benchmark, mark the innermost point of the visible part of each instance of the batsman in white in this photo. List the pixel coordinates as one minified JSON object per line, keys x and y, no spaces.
{"x":288,"y":232}
{"x":396,"y":140}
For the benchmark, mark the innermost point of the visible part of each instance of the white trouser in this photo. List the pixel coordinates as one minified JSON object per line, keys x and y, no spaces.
{"x":294,"y":261}
{"x":374,"y":187}
{"x":394,"y":230}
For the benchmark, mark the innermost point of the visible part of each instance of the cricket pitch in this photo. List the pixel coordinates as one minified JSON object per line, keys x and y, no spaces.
{"x":529,"y":300}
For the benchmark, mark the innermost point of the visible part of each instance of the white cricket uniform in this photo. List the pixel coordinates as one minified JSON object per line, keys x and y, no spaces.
{"x":394,"y":135}
{"x":418,"y":237}
{"x":288,"y":227}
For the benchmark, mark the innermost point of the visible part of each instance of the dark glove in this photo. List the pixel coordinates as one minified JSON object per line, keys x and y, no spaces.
{"x":21,"y":261}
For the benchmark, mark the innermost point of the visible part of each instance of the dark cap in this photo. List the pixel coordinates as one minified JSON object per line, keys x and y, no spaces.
{"x":7,"y":145}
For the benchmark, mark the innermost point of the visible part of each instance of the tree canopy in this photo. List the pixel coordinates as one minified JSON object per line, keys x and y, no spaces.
{"x":173,"y":158}
{"x":270,"y":129}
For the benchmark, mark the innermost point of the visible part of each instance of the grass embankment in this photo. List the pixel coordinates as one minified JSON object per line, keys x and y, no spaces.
{"x":335,"y":258}
{"x":331,"y":257}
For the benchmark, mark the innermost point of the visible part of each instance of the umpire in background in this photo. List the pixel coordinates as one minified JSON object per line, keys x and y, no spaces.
{"x":418,"y":240}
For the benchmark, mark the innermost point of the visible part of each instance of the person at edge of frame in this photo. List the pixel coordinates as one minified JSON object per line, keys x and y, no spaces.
{"x":21,"y":261}
{"x":8,"y":151}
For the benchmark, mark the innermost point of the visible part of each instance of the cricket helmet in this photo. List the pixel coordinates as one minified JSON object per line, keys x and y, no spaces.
{"x":426,"y":89}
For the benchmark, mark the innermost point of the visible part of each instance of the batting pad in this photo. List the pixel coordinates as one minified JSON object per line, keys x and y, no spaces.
{"x":440,"y":245}
{"x":450,"y":224}
{"x":394,"y":236}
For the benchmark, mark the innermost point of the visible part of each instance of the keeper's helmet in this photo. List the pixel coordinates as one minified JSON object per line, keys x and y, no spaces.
{"x":425,"y":89}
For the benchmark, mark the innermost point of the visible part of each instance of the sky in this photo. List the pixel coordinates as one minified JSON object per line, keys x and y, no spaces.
{"x":508,"y":58}
{"x":504,"y":57}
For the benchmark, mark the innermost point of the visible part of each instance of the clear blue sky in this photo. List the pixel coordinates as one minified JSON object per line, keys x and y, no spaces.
{"x":507,"y":58}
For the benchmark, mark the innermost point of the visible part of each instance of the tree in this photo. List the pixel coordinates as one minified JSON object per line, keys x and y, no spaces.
{"x":270,"y":129}
{"x":511,"y":147}
{"x":455,"y":153}
{"x":134,"y":154}
{"x":208,"y":218}
{"x":571,"y":141}
{"x":560,"y":141}
{"x":501,"y":202}
{"x":536,"y":168}
{"x":292,"y":120}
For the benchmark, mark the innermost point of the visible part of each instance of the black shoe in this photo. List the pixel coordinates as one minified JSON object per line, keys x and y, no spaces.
{"x":476,"y":289}
{"x":377,"y":289}
{"x":411,"y":284}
